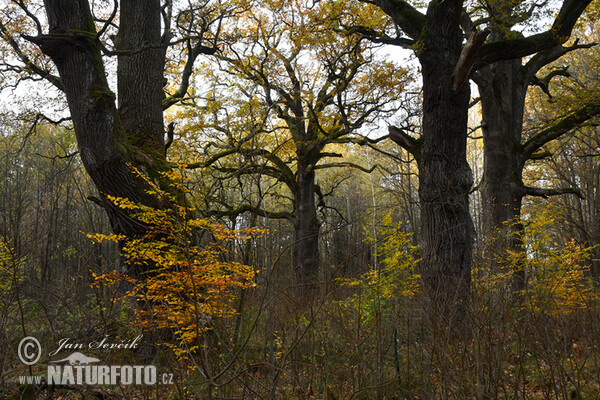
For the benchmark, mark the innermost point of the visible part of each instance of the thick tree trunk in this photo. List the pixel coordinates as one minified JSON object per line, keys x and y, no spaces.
{"x":502,"y":90}
{"x":306,"y":227}
{"x":140,"y":74}
{"x":100,"y":135}
{"x":444,"y":175}
{"x":110,"y":140}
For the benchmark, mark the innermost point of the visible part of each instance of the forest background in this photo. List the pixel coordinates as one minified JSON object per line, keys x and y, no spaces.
{"x":285,"y":205}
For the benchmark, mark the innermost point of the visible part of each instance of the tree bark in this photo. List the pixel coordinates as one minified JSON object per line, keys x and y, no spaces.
{"x":306,"y":222}
{"x":140,"y":73}
{"x":502,"y":88}
{"x":445,"y":177}
{"x":306,"y":228}
{"x":111,"y":140}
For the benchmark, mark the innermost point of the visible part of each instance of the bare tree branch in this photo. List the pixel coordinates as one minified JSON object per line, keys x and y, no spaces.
{"x":378,"y":37}
{"x":408,"y":18}
{"x":561,"y":127}
{"x":559,"y":33}
{"x":407,"y":142}
{"x":24,"y":58}
{"x":540,"y":155}
{"x":463,"y":67}
{"x":234,"y":212}
{"x":545,"y":57}
{"x":108,"y":22}
{"x":544,"y":82}
{"x":346,"y":164}
{"x":533,"y":191}
{"x":193,"y":52}
{"x":31,"y":16}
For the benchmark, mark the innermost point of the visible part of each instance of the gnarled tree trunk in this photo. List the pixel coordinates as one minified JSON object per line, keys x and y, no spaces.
{"x":444,"y":175}
{"x":111,"y":139}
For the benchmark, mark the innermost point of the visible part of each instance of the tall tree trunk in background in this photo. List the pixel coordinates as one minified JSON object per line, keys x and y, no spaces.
{"x":306,"y":226}
{"x":306,"y":222}
{"x":110,"y":139}
{"x":445,"y":176}
{"x":502,"y":90}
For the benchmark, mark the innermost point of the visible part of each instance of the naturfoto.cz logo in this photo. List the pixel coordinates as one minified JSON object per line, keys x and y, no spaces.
{"x":79,"y":369}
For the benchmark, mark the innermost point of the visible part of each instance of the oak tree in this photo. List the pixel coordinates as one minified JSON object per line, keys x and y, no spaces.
{"x":449,"y":50}
{"x":503,"y":87}
{"x":317,"y":88}
{"x":114,"y":131}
